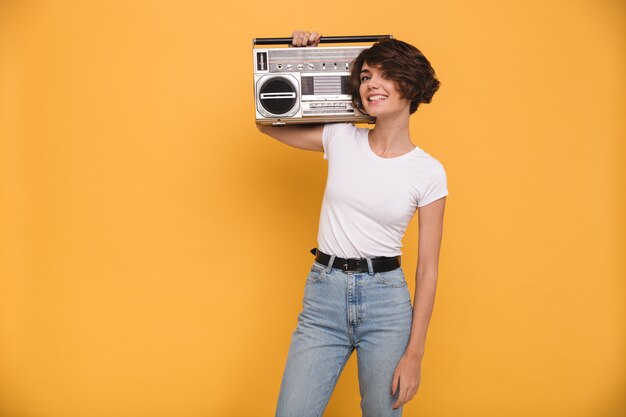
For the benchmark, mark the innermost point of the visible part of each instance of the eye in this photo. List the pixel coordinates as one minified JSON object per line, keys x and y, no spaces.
{"x":365,"y":78}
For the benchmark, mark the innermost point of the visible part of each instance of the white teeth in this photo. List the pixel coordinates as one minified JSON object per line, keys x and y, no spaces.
{"x":378,"y":97}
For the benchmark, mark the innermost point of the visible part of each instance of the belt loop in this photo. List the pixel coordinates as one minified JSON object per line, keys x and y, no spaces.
{"x":370,"y":268}
{"x":330,"y":263}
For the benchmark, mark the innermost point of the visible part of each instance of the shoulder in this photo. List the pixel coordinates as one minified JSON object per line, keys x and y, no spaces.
{"x":343,"y":132}
{"x":433,"y":181}
{"x":426,"y":162}
{"x":337,"y":136}
{"x":434,"y":173}
{"x":340,"y":128}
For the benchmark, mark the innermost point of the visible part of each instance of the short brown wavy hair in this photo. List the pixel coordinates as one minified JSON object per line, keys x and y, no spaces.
{"x":414,"y":77}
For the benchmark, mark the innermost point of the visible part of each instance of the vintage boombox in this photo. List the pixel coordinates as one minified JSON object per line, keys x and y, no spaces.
{"x":306,"y":85}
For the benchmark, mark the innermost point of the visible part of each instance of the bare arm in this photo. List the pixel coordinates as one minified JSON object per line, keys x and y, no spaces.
{"x":407,"y":376}
{"x":307,"y":137}
{"x":430,"y":233}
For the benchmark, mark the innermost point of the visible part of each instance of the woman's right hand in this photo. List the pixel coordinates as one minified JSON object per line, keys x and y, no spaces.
{"x":304,"y":38}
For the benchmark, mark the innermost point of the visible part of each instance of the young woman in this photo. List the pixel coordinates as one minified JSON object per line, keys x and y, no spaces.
{"x":356,"y":295}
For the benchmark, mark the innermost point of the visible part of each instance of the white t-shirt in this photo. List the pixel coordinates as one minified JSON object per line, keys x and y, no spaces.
{"x":369,"y":200}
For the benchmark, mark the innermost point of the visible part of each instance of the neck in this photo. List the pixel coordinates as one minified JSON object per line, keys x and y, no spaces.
{"x":391,"y":136}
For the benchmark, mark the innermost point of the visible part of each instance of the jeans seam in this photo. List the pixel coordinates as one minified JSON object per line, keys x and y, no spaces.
{"x":331,"y":386}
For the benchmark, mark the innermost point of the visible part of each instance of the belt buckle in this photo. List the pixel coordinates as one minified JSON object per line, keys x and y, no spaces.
{"x":345,"y":265}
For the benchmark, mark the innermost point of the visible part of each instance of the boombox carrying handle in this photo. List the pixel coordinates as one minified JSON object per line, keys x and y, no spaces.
{"x":323,"y":39}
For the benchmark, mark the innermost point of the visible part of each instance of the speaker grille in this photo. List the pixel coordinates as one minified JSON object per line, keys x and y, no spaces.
{"x":278,"y":96}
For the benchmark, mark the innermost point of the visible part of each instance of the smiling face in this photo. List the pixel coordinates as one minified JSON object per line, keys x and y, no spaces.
{"x":379,"y":94}
{"x":404,"y":65}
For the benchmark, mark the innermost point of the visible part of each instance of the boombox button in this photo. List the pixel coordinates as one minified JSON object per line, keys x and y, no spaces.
{"x":300,"y":66}
{"x":279,"y":66}
{"x":289,"y":66}
{"x":311,"y":66}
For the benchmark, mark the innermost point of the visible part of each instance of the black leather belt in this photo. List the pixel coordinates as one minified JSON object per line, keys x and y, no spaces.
{"x":379,"y":263}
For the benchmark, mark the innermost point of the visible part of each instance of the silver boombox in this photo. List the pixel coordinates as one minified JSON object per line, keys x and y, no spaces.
{"x":306,"y":85}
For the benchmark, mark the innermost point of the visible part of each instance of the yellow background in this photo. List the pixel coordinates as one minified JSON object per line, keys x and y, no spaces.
{"x":154,"y":246}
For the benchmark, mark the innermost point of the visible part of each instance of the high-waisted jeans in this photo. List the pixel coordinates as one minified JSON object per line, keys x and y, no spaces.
{"x":341,"y":312}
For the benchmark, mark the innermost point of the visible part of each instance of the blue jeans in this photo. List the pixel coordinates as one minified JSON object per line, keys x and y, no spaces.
{"x":341,"y":312}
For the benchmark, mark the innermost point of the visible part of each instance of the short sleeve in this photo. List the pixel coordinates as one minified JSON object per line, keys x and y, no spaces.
{"x":436,"y":188}
{"x":328,"y":134}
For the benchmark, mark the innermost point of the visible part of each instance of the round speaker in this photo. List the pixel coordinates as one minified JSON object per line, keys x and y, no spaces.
{"x":277,"y":95}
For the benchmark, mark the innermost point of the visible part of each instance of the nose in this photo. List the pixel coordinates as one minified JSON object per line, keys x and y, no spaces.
{"x":373,"y":83}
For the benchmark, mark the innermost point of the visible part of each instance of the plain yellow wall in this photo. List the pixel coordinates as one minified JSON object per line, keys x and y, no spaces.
{"x":154,"y":246}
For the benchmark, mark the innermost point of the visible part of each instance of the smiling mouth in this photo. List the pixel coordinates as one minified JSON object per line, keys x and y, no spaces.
{"x":379,"y":97}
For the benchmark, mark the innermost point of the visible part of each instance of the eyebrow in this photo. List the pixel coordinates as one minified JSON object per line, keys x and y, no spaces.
{"x":365,"y":70}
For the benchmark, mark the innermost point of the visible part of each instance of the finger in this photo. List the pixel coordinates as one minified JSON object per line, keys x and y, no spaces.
{"x":396,"y":389}
{"x":302,"y":39}
{"x":404,"y":397}
{"x":397,"y":404}
{"x":415,"y":389}
{"x":401,"y":397}
{"x":318,"y":39}
{"x":394,"y":383}
{"x":407,"y":395}
{"x":294,"y":37}
{"x":400,"y":402}
{"x":311,"y":39}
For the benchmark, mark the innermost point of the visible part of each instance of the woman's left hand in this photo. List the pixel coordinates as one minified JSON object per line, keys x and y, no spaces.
{"x":406,"y":379}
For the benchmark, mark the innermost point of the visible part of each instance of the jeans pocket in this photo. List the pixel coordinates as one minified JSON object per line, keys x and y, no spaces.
{"x":317,"y":273}
{"x":394,"y":278}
